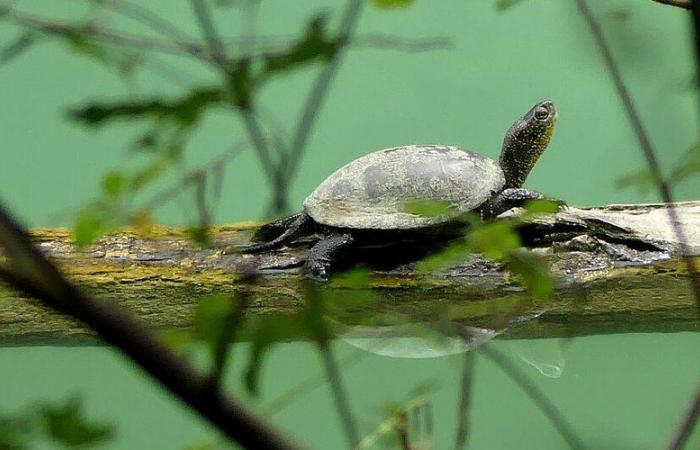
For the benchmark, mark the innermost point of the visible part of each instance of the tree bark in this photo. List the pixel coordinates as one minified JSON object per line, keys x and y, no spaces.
{"x":617,"y":269}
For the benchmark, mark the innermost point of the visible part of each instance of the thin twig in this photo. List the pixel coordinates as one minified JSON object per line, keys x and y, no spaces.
{"x":536,"y":395}
{"x":339,"y":394}
{"x":118,"y":328}
{"x":320,"y":88}
{"x":644,"y":143}
{"x":692,"y":413}
{"x":113,"y":37}
{"x":191,"y":177}
{"x":464,"y":401}
{"x":151,"y":19}
{"x":685,"y":4}
{"x":211,"y":35}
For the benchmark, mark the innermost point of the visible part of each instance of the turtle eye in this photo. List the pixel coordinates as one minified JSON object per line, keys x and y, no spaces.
{"x":541,"y":113}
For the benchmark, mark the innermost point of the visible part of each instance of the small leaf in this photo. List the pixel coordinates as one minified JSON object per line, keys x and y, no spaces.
{"x":67,"y":425}
{"x":357,"y":278}
{"x":542,"y":206}
{"x":14,"y":433}
{"x":212,"y":318}
{"x":533,"y":272}
{"x":452,"y":254}
{"x":427,"y":208}
{"x":313,"y":46}
{"x":264,"y":333}
{"x":179,"y":341}
{"x":494,"y":240}
{"x":391,"y":4}
{"x":200,"y":235}
{"x":89,"y":226}
{"x":114,"y":184}
{"x":503,"y":5}
{"x":642,"y":180}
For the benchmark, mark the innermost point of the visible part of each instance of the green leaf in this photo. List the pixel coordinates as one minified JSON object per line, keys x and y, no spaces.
{"x":66,"y":424}
{"x":643,"y":180}
{"x":200,"y":235}
{"x":427,"y":208}
{"x":216,"y":320}
{"x":356,"y":278}
{"x":315,"y":45}
{"x":533,"y":272}
{"x":503,"y":5}
{"x":494,"y":240}
{"x":452,"y":254}
{"x":90,"y":225}
{"x":114,"y":183}
{"x":14,"y":433}
{"x":185,"y":111}
{"x":539,"y":206}
{"x":265,"y":332}
{"x":688,"y":165}
{"x":391,"y":4}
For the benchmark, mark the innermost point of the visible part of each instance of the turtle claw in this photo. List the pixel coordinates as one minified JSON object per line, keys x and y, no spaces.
{"x":318,"y":270}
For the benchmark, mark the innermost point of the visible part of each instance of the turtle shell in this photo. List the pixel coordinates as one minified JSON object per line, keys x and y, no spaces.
{"x":372,"y":192}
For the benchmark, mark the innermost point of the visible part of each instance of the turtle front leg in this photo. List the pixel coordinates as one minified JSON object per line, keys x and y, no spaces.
{"x":510,"y":198}
{"x":321,"y":255}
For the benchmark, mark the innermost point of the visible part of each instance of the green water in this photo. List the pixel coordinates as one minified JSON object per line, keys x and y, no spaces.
{"x":618,"y":391}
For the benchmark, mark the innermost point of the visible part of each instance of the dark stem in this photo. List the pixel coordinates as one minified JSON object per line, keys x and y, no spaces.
{"x":464,"y":401}
{"x":685,"y":4}
{"x":119,"y":329}
{"x":339,"y":394}
{"x":320,"y":88}
{"x":211,"y":36}
{"x":402,"y":431}
{"x":535,"y":394}
{"x":692,"y":413}
{"x":645,"y":144}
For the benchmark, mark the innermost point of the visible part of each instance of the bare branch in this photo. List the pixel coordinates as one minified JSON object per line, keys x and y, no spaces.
{"x":118,"y":328}
{"x":151,"y":19}
{"x":339,"y":394}
{"x":109,"y":36}
{"x":685,"y":4}
{"x":464,"y":401}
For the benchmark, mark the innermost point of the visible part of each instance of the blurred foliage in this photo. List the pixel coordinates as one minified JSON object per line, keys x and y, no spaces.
{"x":389,"y":4}
{"x":645,"y":180}
{"x":503,"y":5}
{"x":63,"y":423}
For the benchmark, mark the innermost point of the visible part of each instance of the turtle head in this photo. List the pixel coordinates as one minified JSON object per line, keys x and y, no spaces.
{"x":525,"y":141}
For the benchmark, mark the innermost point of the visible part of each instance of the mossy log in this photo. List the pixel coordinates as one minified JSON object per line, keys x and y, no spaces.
{"x":617,"y":269}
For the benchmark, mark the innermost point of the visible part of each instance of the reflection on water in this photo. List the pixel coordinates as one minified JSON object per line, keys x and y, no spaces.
{"x":618,"y":391}
{"x":409,"y":341}
{"x":545,"y":356}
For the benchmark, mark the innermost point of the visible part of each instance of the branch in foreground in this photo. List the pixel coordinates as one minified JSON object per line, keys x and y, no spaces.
{"x":685,"y":4}
{"x":119,"y":329}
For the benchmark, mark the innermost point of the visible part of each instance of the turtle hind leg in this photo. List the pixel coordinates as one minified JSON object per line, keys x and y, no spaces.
{"x":271,"y":230}
{"x":510,"y":198}
{"x":300,"y":225}
{"x":321,"y":256}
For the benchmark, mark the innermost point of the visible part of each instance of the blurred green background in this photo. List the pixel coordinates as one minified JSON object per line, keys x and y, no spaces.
{"x":623,"y":392}
{"x":497,"y":66}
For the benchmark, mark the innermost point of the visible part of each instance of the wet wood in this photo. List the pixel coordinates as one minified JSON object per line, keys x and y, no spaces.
{"x":616,"y":267}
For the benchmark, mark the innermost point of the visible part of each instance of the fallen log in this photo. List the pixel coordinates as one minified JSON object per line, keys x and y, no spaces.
{"x":617,"y":269}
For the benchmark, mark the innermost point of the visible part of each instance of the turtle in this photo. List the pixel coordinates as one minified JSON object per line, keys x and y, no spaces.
{"x":365,"y":200}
